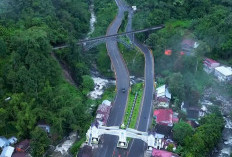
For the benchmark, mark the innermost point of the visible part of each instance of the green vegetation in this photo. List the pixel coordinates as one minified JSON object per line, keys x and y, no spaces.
{"x":134,"y":60}
{"x":40,"y":142}
{"x":182,"y":130}
{"x":87,"y":84}
{"x":205,"y":138}
{"x":124,"y":23}
{"x":76,"y":146}
{"x":31,"y":77}
{"x":105,"y":11}
{"x":139,"y":89}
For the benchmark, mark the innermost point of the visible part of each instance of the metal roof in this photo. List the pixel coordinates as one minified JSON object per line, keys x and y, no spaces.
{"x":226,"y":71}
{"x":7,"y":151}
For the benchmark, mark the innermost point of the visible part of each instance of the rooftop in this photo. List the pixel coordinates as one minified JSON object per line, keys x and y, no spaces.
{"x":163,"y":129}
{"x":227,"y":71}
{"x":106,"y":102}
{"x":3,"y":141}
{"x":163,"y":92}
{"x":164,"y":116}
{"x":7,"y":151}
{"x":210,"y":62}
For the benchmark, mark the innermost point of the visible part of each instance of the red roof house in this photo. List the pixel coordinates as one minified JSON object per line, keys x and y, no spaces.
{"x":165,"y":117}
{"x":162,"y":153}
{"x":210,"y":65}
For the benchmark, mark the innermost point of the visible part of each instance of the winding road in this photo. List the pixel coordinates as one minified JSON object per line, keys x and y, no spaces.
{"x":122,"y":81}
{"x":136,"y":147}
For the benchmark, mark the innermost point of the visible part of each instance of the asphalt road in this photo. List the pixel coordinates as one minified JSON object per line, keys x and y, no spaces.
{"x":136,"y":147}
{"x":122,"y":81}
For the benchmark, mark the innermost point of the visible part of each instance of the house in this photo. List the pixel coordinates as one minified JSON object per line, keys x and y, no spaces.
{"x":162,"y":153}
{"x":164,"y":130}
{"x":12,"y":140}
{"x":43,"y":125}
{"x":210,"y":65}
{"x":103,"y":112}
{"x":163,"y":97}
{"x":3,"y":142}
{"x":162,"y":92}
{"x":188,"y":46}
{"x":223,"y":73}
{"x":159,"y":140}
{"x":7,"y":151}
{"x":163,"y":102}
{"x":165,"y":117}
{"x":23,"y":146}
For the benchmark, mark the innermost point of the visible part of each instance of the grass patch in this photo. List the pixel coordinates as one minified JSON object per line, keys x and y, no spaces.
{"x":134,"y":60}
{"x":139,"y":89}
{"x":109,"y":93}
{"x":76,"y":146}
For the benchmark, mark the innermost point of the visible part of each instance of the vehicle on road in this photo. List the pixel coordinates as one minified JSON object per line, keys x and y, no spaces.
{"x":123,"y":90}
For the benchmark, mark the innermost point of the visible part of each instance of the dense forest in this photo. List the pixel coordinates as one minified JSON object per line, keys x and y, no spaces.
{"x":32,"y":80}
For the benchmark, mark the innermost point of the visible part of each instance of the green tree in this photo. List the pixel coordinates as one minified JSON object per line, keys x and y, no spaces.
{"x":170,"y":147}
{"x":182,"y":130}
{"x":176,"y":85}
{"x":87,"y":84}
{"x":39,"y":143}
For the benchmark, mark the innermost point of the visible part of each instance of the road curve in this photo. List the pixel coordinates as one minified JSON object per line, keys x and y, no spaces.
{"x":122,"y":81}
{"x":137,"y":147}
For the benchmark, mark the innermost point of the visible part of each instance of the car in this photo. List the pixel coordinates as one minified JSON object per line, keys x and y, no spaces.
{"x":123,"y":90}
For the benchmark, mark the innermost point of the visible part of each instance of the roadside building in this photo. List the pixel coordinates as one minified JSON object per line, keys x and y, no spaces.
{"x":165,"y":117}
{"x":210,"y":65}
{"x":162,"y":153}
{"x":223,"y":73}
{"x":163,"y":97}
{"x":159,"y":140}
{"x":162,"y":92}
{"x":103,"y":112}
{"x":3,"y":142}
{"x":7,"y":151}
{"x":162,"y":102}
{"x":188,"y":46}
{"x":164,"y":130}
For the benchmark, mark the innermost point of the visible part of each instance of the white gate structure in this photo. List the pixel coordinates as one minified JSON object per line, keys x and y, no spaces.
{"x":93,"y":135}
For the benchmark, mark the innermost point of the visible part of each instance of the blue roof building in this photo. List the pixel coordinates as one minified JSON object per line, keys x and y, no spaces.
{"x":3,"y":142}
{"x":7,"y":151}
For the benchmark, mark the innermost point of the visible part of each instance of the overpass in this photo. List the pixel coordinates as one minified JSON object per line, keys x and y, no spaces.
{"x":95,"y":41}
{"x":94,"y":133}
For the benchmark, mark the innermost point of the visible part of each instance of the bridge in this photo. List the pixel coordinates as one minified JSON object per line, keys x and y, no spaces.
{"x":90,"y":43}
{"x":94,"y":133}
